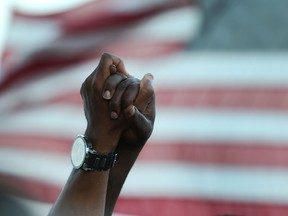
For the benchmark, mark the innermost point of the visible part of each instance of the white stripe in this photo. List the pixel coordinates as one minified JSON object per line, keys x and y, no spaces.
{"x":128,"y":6}
{"x":187,"y":180}
{"x":48,"y":6}
{"x":185,"y":22}
{"x":172,"y":124}
{"x":164,"y":179}
{"x":63,"y":121}
{"x":5,"y":19}
{"x":212,"y":125}
{"x":47,"y":167}
{"x":216,"y":69}
{"x":41,"y":33}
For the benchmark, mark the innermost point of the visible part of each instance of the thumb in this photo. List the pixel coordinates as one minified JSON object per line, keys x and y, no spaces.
{"x":138,"y":121}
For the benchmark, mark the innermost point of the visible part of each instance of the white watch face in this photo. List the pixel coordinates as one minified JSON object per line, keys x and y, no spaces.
{"x":78,"y":152}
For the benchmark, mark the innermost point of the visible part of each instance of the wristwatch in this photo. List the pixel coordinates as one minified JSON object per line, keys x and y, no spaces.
{"x":85,"y":157}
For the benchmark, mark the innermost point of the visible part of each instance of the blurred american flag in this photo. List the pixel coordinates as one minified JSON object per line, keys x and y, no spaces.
{"x":220,"y":140}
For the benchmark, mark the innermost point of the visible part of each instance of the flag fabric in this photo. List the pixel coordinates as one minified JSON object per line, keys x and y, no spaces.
{"x":219,"y":145}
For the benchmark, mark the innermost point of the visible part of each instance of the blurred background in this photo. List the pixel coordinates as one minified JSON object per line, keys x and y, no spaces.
{"x":220,"y":69}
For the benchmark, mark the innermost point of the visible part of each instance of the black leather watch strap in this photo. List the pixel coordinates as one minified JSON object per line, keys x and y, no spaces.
{"x":100,"y":162}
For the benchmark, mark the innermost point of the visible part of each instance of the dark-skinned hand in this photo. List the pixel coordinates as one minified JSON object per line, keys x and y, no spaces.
{"x":102,"y":131}
{"x":135,"y":100}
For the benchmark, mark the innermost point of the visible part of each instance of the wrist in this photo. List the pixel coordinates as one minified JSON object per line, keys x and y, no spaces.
{"x":103,"y":143}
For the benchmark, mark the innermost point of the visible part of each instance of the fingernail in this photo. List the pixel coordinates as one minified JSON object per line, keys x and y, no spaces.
{"x":131,"y":111}
{"x":107,"y":94}
{"x":150,"y":76}
{"x":113,"y":69}
{"x":114,"y":115}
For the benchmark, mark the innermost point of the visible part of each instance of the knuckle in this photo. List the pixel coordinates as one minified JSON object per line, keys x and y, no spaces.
{"x":149,"y":129}
{"x":136,"y":85}
{"x":133,"y":83}
{"x":85,"y":86}
{"x":82,"y":89}
{"x":112,"y":81}
{"x":136,"y":81}
{"x":120,"y":75}
{"x":123,"y":85}
{"x":105,"y":55}
{"x":120,"y":62}
{"x":104,"y":61}
{"x":146,"y":131}
{"x":88,"y":82}
{"x":130,"y":95}
{"x":129,"y":82}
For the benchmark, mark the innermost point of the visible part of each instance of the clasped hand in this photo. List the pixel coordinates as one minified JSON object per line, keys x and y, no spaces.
{"x":118,"y":107}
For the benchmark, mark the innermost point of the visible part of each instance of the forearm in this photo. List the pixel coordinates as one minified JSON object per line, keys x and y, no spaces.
{"x":118,"y":175}
{"x":86,"y":188}
{"x":83,"y":194}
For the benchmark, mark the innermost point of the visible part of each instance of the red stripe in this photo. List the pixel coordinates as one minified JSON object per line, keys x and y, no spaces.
{"x":146,"y":48}
{"x":220,"y":153}
{"x":36,"y":142}
{"x":210,"y":97}
{"x":150,"y":206}
{"x":225,"y":97}
{"x":54,"y":60}
{"x":88,"y":19}
{"x":97,"y":16}
{"x":30,"y":188}
{"x":177,"y":206}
